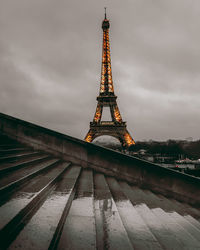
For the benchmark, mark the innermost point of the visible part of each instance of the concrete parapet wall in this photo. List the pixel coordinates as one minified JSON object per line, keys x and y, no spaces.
{"x":136,"y":171}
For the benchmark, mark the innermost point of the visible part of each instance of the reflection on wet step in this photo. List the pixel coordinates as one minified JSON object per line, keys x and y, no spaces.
{"x":138,"y":232}
{"x":79,"y":229}
{"x":38,"y":233}
{"x":111,"y":233}
{"x":41,"y":229}
{"x":27,"y":208}
{"x":13,"y":206}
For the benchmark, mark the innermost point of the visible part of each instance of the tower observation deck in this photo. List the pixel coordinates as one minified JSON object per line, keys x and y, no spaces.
{"x":107,"y":98}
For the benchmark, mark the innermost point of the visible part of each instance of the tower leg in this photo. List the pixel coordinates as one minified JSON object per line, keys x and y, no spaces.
{"x":128,"y":139}
{"x":90,"y":136}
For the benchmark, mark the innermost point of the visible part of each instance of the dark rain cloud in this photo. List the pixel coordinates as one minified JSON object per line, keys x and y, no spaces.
{"x":50,"y":62}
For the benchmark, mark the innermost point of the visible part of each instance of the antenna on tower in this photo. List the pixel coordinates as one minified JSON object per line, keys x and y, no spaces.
{"x":105,"y":12}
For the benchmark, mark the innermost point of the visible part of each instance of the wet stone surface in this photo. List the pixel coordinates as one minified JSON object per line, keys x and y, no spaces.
{"x":79,"y":208}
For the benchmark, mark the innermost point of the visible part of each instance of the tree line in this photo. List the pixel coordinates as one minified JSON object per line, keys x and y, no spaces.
{"x":189,"y":149}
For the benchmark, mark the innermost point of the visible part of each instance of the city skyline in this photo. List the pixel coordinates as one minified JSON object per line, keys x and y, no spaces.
{"x":51,"y":64}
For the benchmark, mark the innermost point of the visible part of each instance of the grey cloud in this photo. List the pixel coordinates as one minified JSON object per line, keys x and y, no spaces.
{"x":51,"y":60}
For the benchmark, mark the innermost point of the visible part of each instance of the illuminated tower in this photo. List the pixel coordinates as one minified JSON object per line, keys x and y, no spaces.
{"x":107,"y":98}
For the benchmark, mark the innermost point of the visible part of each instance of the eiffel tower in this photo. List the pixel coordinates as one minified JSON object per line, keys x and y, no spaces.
{"x":107,"y":98}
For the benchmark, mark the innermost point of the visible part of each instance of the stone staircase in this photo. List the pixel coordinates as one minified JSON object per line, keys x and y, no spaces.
{"x":48,"y":203}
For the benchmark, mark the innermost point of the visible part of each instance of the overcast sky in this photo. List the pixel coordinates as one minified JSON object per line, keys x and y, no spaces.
{"x":50,"y":64}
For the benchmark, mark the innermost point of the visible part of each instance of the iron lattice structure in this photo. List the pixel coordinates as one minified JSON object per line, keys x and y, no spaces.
{"x":116,"y":127}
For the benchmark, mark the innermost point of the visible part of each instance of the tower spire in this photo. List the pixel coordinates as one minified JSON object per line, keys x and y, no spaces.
{"x":107,"y":98}
{"x":105,"y":12}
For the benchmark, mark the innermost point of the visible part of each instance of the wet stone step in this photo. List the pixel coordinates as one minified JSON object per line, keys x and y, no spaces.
{"x":24,"y":203}
{"x":7,"y":191}
{"x":139,"y":195}
{"x":5,"y":171}
{"x":187,"y":240}
{"x":110,"y":230}
{"x":79,"y":229}
{"x":44,"y":225}
{"x":193,"y":221}
{"x":16,"y":154}
{"x":156,"y":200}
{"x":16,"y":157}
{"x":17,"y":175}
{"x":186,"y":225}
{"x":24,"y":160}
{"x":152,"y":200}
{"x":6,"y":152}
{"x":171,"y":205}
{"x":194,"y":212}
{"x":164,"y":236}
{"x":138,"y":232}
{"x":184,"y":208}
{"x":24,"y":195}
